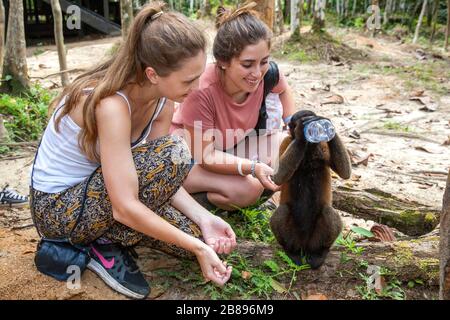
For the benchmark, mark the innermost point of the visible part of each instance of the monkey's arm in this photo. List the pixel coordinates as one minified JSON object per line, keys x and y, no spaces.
{"x":339,"y":159}
{"x":291,"y":155}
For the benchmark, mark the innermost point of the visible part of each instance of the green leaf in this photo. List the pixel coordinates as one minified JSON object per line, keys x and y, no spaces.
{"x":278,"y":287}
{"x":296,"y":295}
{"x":363,"y":232}
{"x":272,"y":265}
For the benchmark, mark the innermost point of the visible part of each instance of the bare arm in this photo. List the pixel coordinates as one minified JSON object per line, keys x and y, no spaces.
{"x":121,"y":181}
{"x":216,"y":232}
{"x":288,"y":102}
{"x":218,"y":161}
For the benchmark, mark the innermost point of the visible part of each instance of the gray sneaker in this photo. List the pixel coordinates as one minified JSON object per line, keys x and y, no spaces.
{"x":11,"y":198}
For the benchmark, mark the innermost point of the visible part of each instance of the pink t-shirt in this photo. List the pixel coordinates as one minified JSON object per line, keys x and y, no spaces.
{"x":210,"y":107}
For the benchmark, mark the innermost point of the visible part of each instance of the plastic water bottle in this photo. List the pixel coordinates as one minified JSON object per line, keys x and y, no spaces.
{"x":320,"y":130}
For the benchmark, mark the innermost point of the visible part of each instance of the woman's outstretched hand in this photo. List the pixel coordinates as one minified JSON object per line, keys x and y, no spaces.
{"x":213,"y":268}
{"x":218,"y":234}
{"x":264,"y":172}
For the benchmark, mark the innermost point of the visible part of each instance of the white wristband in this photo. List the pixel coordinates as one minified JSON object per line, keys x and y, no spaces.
{"x":240,"y":168}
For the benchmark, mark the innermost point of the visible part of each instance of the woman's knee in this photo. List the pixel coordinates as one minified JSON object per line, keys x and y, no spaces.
{"x":245,"y":194}
{"x":168,"y":155}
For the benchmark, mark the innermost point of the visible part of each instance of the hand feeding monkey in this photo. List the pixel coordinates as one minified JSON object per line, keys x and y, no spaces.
{"x":305,"y":223}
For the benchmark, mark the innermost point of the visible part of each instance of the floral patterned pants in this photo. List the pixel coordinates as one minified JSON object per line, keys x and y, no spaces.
{"x":161,"y":165}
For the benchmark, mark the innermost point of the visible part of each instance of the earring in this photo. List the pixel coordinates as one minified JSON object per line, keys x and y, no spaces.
{"x":222,"y":67}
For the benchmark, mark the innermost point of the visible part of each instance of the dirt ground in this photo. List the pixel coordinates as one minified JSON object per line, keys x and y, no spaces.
{"x":410,"y":161}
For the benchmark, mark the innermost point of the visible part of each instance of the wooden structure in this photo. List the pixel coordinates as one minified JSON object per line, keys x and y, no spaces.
{"x":97,"y":16}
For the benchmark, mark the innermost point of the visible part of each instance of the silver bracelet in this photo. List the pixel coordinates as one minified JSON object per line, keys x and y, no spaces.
{"x":253,"y":167}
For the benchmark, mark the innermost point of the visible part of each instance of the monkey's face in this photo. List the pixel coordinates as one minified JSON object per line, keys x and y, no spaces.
{"x":296,"y":125}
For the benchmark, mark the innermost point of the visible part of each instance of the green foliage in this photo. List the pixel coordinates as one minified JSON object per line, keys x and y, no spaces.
{"x":26,"y":115}
{"x":252,"y":223}
{"x":392,"y":289}
{"x":395,"y":126}
{"x":260,"y":281}
{"x":349,"y":243}
{"x":362,"y":231}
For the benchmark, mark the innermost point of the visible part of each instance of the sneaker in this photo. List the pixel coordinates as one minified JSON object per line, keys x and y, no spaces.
{"x":115,"y":265}
{"x":11,"y":198}
{"x":202,"y":199}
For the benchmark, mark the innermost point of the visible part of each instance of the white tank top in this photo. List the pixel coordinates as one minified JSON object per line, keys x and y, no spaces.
{"x":59,"y":162}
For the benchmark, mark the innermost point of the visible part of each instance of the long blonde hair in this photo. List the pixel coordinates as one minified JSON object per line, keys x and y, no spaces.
{"x":159,"y":40}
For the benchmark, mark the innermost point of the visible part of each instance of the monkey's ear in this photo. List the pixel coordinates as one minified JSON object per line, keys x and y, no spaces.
{"x":339,"y":158}
{"x":289,"y":162}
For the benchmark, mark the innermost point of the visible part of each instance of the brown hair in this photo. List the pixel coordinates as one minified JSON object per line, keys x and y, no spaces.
{"x":161,"y":41}
{"x":237,"y":29}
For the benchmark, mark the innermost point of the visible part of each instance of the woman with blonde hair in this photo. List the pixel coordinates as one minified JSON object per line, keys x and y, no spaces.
{"x":107,"y":175}
{"x":219,"y":119}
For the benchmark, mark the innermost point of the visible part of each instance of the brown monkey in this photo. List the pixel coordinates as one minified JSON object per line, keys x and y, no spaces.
{"x":305,"y":223}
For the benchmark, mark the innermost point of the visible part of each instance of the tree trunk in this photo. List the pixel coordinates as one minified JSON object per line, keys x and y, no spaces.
{"x":266,"y":9}
{"x":338,"y":7}
{"x":408,"y":217}
{"x":387,"y":11}
{"x":444,"y":245}
{"x":434,"y":19}
{"x":319,"y":16}
{"x":279,"y":21}
{"x":126,"y":16}
{"x":205,"y":8}
{"x":3,"y":131}
{"x":191,"y":6}
{"x":447,"y":32}
{"x":354,"y":8}
{"x":15,"y":61}
{"x":59,"y":39}
{"x":287,"y":11}
{"x":419,"y":23}
{"x":296,"y":15}
{"x":2,"y":36}
{"x":309,"y":5}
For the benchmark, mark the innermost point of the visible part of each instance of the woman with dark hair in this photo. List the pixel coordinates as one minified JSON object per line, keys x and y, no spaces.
{"x":232,"y":166}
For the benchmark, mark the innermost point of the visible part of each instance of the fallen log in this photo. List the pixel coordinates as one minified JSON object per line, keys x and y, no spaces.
{"x":409,"y":217}
{"x":444,"y":245}
{"x":406,"y":260}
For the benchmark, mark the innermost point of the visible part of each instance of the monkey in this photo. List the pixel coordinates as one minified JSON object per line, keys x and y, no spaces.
{"x":305,"y":223}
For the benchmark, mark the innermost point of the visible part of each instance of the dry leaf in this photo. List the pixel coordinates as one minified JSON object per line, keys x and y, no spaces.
{"x":387,"y":109}
{"x":382,"y":233}
{"x":447,"y":142}
{"x":325,"y":87}
{"x":317,"y":296}
{"x":358,"y":159}
{"x":428,"y":102}
{"x":380,"y":284}
{"x":417,"y":93}
{"x":278,"y":287}
{"x":429,"y":149}
{"x":334,"y":99}
{"x":354,"y":134}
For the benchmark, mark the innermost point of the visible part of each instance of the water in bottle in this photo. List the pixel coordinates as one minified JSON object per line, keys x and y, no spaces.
{"x":319,"y":130}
